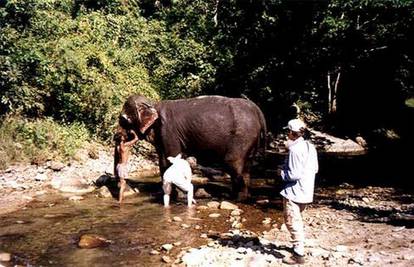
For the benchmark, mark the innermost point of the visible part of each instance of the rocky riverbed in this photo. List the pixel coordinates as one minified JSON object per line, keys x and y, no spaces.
{"x":357,"y":225}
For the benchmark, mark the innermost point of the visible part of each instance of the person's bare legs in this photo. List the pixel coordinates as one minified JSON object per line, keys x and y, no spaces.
{"x":190,"y":196}
{"x":122,"y":186}
{"x":166,"y":187}
{"x":166,"y":200}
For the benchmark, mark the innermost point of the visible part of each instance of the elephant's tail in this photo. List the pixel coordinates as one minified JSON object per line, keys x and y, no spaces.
{"x":262,"y":144}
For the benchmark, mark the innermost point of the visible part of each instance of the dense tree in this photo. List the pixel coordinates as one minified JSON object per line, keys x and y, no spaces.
{"x":349,"y":63}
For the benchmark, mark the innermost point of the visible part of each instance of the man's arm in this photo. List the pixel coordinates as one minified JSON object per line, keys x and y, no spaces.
{"x":134,"y":140}
{"x":293,"y":170}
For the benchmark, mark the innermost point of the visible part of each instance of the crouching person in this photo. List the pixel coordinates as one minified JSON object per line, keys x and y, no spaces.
{"x":179,"y":173}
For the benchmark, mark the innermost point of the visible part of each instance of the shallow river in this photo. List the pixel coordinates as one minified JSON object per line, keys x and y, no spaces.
{"x":47,"y":231}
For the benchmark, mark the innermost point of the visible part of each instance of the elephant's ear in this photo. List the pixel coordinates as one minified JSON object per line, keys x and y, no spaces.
{"x":147,"y":116}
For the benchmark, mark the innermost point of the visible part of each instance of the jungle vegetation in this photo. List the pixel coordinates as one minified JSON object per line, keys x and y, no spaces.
{"x":69,"y":64}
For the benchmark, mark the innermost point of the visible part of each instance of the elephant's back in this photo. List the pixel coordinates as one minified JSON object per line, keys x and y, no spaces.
{"x":213,"y":123}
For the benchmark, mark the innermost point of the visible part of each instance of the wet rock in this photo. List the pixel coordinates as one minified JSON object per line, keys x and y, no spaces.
{"x":73,"y":184}
{"x":407,"y":257}
{"x":177,"y":219}
{"x":361,"y":141}
{"x":201,"y":193}
{"x":357,"y":259}
{"x":316,"y":252}
{"x":211,"y":244}
{"x":341,"y":248}
{"x":48,"y":216}
{"x":193,"y":258}
{"x":93,"y":154}
{"x":81,"y":155}
{"x":5,"y":256}
{"x":213,"y":204}
{"x":92,"y":241}
{"x":40,"y":193}
{"x":167,"y":247}
{"x":262,"y":201}
{"x":237,"y":225}
{"x":236,"y":212}
{"x":267,"y":221}
{"x":41,"y":177}
{"x":225,"y":205}
{"x":75,"y":198}
{"x":166,"y":259}
{"x":366,"y":200}
{"x":201,"y":207}
{"x":57,"y":165}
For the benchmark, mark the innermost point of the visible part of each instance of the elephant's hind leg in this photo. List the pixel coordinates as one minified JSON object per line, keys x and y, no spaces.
{"x":240,"y":179}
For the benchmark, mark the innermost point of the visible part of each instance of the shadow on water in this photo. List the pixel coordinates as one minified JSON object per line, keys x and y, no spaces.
{"x":238,"y":241}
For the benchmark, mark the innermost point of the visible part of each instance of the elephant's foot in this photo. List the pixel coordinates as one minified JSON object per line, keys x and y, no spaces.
{"x":243,"y":197}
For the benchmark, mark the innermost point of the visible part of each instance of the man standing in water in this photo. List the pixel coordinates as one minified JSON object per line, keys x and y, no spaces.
{"x":298,"y":173}
{"x":122,"y":152}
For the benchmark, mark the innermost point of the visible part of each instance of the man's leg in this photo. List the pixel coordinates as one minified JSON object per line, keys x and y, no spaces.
{"x":294,"y":223}
{"x":167,"y":191}
{"x":166,"y":200}
{"x":190,"y":195}
{"x":122,"y":186}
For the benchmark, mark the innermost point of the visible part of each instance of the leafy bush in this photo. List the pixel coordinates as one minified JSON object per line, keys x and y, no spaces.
{"x":79,"y":61}
{"x":39,"y":140}
{"x":73,"y":69}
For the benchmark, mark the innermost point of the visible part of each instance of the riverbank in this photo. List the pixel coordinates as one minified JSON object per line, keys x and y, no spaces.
{"x":360,"y":225}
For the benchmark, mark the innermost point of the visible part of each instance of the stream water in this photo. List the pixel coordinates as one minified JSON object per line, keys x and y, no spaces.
{"x":47,"y":231}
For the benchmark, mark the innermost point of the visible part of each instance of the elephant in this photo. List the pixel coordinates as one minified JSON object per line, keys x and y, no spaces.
{"x":214,"y":129}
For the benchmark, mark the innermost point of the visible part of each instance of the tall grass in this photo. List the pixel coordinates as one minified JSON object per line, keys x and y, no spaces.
{"x":36,"y":141}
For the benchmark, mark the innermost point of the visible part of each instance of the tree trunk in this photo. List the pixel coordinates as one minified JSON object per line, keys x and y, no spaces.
{"x":335,"y":93}
{"x":215,"y":19}
{"x":329,"y":92}
{"x":332,"y":92}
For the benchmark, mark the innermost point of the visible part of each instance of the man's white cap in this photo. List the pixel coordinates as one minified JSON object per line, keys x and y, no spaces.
{"x":296,"y":125}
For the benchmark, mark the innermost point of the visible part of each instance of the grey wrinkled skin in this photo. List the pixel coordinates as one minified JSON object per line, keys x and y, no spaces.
{"x":214,"y":129}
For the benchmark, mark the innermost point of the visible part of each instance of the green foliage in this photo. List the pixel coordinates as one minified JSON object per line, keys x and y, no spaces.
{"x":39,"y":140}
{"x":77,"y":61}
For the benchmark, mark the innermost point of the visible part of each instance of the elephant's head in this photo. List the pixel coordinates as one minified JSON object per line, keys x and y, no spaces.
{"x":138,"y":114}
